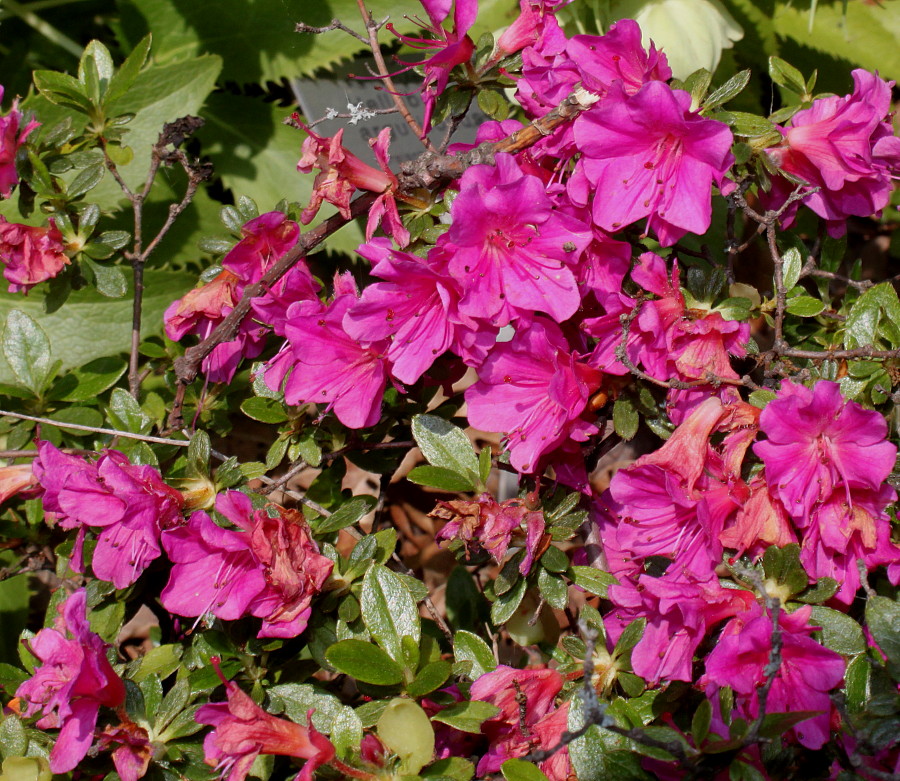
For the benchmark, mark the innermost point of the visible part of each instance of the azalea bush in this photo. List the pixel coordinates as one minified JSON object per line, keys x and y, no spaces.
{"x":566,"y":451}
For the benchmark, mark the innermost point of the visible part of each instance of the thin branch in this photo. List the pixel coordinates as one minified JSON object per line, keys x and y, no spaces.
{"x":336,"y":24}
{"x":338,"y":115}
{"x":96,"y":429}
{"x":372,"y":28}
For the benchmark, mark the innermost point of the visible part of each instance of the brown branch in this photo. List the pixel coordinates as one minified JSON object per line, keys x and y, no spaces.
{"x":372,"y":28}
{"x":336,"y":24}
{"x":96,"y":429}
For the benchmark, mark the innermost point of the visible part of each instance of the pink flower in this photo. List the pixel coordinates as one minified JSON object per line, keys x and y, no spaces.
{"x":243,"y":731}
{"x":543,"y":724}
{"x":74,"y":678}
{"x":268,"y":567}
{"x":846,"y":530}
{"x":413,"y":308}
{"x":16,"y":479}
{"x":265,"y":240}
{"x":759,"y":523}
{"x":617,"y":56}
{"x":680,"y":610}
{"x":454,"y":47}
{"x":131,"y":749}
{"x":341,"y":174}
{"x":534,"y":390}
{"x":127,"y":505}
{"x":486,"y":525}
{"x":658,"y":157}
{"x":817,"y":442}
{"x":510,"y":251}
{"x":846,"y":147}
{"x":31,"y":254}
{"x":326,"y":365}
{"x":808,"y":670}
{"x":12,"y":136}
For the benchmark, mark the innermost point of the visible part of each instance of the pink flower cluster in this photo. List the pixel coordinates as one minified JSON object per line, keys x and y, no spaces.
{"x":268,"y":567}
{"x":30,"y":254}
{"x":126,"y":505}
{"x":12,"y":135}
{"x":264,"y":240}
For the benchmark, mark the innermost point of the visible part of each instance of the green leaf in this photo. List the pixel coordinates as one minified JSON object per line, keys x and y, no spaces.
{"x":62,"y":89}
{"x":730,"y":89}
{"x":786,"y":75}
{"x":601,"y":755}
{"x":126,"y":414}
{"x":591,"y":579}
{"x":791,"y":268}
{"x":449,"y":769}
{"x":26,"y":348}
{"x":429,"y":678}
{"x":625,"y":418}
{"x":468,"y":647}
{"x":389,"y":610}
{"x":750,"y":125}
{"x":874,"y":305}
{"x":701,"y":721}
{"x":555,"y":560}
{"x":506,"y":604}
{"x":86,"y":180}
{"x":13,"y":740}
{"x":126,"y":75}
{"x":883,"y":620}
{"x":484,"y":464}
{"x":856,"y":680}
{"x":89,"y":381}
{"x":805,"y":306}
{"x":264,"y":410}
{"x":520,"y":770}
{"x":824,"y":590}
{"x":839,"y":632}
{"x":446,"y":445}
{"x":553,"y":589}
{"x":109,"y":280}
{"x":88,"y":312}
{"x":440,"y":478}
{"x":365,"y":662}
{"x":782,"y":565}
{"x":347,"y":514}
{"x":630,"y":637}
{"x":467,"y":716}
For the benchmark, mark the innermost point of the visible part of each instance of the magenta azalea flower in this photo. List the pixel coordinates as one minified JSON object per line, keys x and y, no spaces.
{"x":242,"y":731}
{"x":510,"y":251}
{"x":534,"y":390}
{"x":817,"y":442}
{"x":808,"y":670}
{"x":131,"y":749}
{"x":649,"y":155}
{"x":72,"y":680}
{"x":544,"y":723}
{"x":268,"y":567}
{"x":264,"y":241}
{"x":845,"y":147}
{"x":12,"y":136}
{"x":413,"y":308}
{"x":323,"y":364}
{"x":680,"y":610}
{"x":128,"y":505}
{"x":30,"y":254}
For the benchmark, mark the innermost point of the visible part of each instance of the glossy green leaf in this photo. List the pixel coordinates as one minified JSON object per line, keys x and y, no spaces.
{"x":839,"y":632}
{"x":364,"y":661}
{"x":446,"y":446}
{"x":468,"y":647}
{"x":389,"y":610}
{"x":26,"y":348}
{"x":467,"y":716}
{"x":883,"y":620}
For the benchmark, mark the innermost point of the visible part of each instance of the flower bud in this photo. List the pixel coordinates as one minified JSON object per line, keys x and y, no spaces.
{"x":406,"y":730}
{"x":25,"y":769}
{"x":199,"y":492}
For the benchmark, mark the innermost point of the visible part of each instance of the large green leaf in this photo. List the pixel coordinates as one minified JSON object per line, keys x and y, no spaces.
{"x":90,"y":325}
{"x":257,"y":40}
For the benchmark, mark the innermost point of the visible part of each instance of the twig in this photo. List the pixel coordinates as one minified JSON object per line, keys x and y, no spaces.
{"x":34,"y":453}
{"x":336,"y":24}
{"x":372,"y":28}
{"x":96,"y":429}
{"x":374,"y":112}
{"x":286,"y":477}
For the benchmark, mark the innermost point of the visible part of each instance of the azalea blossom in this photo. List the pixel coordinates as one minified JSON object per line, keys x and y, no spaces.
{"x":511,"y":253}
{"x":488,"y":525}
{"x":72,"y":680}
{"x":658,"y":157}
{"x":242,"y":731}
{"x":30,"y":254}
{"x":816,"y":441}
{"x":322,"y":364}
{"x":807,"y":673}
{"x":544,"y":722}
{"x":844,"y":147}
{"x":12,"y":136}
{"x":127,"y":505}
{"x":533,"y":389}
